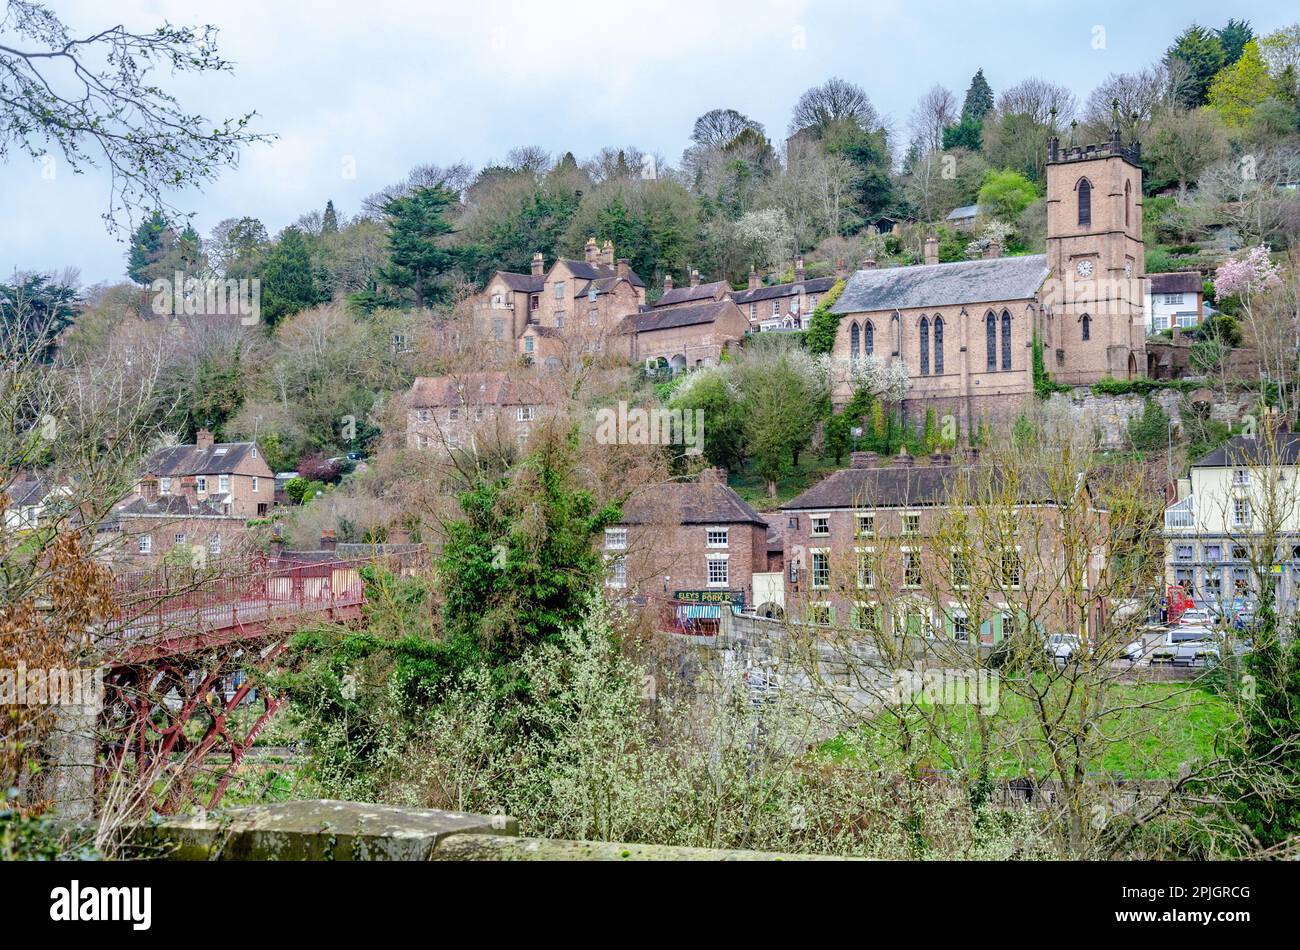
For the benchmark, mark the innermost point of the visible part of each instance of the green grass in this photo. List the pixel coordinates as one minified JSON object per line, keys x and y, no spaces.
{"x":811,"y":469}
{"x":1150,"y":743}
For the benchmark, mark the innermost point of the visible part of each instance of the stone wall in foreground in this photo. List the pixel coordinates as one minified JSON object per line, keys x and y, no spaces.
{"x":324,"y":830}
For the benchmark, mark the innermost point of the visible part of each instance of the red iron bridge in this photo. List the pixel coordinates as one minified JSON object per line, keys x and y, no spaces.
{"x":183,"y":699}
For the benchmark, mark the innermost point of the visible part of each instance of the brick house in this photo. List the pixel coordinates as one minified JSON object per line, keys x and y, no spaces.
{"x":694,"y":547}
{"x":561,"y":313}
{"x":233,"y":477}
{"x":474,"y":410}
{"x":965,"y":331}
{"x":694,"y":292}
{"x":687,"y":335}
{"x":782,"y":306}
{"x":145,"y":532}
{"x":862,"y":551}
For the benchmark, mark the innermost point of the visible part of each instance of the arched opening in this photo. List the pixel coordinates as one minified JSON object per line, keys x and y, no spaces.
{"x":855,"y":340}
{"x":925,"y":347}
{"x":938,"y":345}
{"x":1128,"y":200}
{"x":1085,"y":201}
{"x":1006,"y":339}
{"x":991,"y":340}
{"x":1132,"y":366}
{"x":677,"y":363}
{"x":871,"y":338}
{"x":1085,"y":324}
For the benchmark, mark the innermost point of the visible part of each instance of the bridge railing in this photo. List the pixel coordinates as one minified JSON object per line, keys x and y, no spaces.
{"x":241,"y":594}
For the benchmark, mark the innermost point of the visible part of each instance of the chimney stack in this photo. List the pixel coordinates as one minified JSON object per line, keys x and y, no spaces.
{"x":203,"y":439}
{"x":799,"y":273}
{"x":992,"y":250}
{"x":327,"y":540}
{"x":624,"y":268}
{"x":539,"y":265}
{"x":668,"y":282}
{"x":932,"y":249}
{"x":607,"y":254}
{"x":869,"y":263}
{"x":863,"y":459}
{"x":754,"y":280}
{"x":841,"y":268}
{"x":590,"y":251}
{"x":904,"y":460}
{"x":695,"y":277}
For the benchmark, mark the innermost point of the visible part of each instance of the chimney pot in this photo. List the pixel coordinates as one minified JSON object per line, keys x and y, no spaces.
{"x":590,"y":250}
{"x":203,"y":438}
{"x":607,"y":254}
{"x":695,"y":277}
{"x":932,"y":249}
{"x":754,"y":280}
{"x":993,"y":250}
{"x":327,"y":540}
{"x":869,"y":264}
{"x":668,"y":282}
{"x":539,"y":265}
{"x":799,"y":272}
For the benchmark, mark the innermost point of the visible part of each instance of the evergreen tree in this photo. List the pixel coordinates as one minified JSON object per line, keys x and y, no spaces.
{"x":148,"y":244}
{"x":1234,"y":38}
{"x":329,"y":222}
{"x":34,"y":311}
{"x":288,"y":284}
{"x":1196,"y":56}
{"x":417,"y":223}
{"x":979,"y":99}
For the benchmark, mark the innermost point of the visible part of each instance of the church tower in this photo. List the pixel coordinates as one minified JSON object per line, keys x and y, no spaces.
{"x":1092,"y":301}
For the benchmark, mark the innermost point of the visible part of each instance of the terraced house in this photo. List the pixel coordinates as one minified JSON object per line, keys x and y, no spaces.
{"x":878,"y":547}
{"x":232,"y":477}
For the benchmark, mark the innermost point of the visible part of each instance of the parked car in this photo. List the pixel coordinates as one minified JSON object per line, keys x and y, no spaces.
{"x":1063,"y":646}
{"x":1186,"y":646}
{"x":1196,"y":617}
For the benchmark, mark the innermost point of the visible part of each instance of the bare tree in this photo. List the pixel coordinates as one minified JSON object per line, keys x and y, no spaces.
{"x":833,"y":102}
{"x":934,"y":112}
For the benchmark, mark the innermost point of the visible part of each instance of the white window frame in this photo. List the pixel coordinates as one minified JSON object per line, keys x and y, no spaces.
{"x":616,"y":539}
{"x":214,"y":544}
{"x":866,"y":568}
{"x":616,"y":574}
{"x":255,"y":489}
{"x":812,"y":526}
{"x":525,"y":414}
{"x":813,"y":555}
{"x":711,"y":561}
{"x":865,"y":516}
{"x":144,"y":544}
{"x":201,"y":484}
{"x":908,"y":555}
{"x":223,"y":484}
{"x":709,"y":540}
{"x":164,"y":486}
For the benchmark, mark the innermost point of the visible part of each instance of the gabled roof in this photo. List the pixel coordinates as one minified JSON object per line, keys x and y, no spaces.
{"x":686,"y":315}
{"x":700,"y":502}
{"x":524,"y":283}
{"x":181,"y":460}
{"x":171,"y":506}
{"x":963,"y":213}
{"x":473,"y":389}
{"x":27,"y":491}
{"x":680,"y":295}
{"x":943,"y":285}
{"x":818,"y":285}
{"x":584,"y":271}
{"x":1180,"y":282}
{"x":920,"y":484}
{"x":1283,"y":449}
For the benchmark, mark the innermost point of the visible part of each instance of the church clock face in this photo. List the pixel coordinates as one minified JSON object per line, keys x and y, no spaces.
{"x":1084,"y":268}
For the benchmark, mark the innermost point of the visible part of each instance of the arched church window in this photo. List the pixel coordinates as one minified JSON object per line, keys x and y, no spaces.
{"x":871,"y":338}
{"x":855,"y":340}
{"x":991,"y":340}
{"x":1128,"y":200}
{"x":925,"y":347}
{"x":1006,"y":339}
{"x":1086,"y":324}
{"x":1085,"y":201}
{"x":938,"y":345}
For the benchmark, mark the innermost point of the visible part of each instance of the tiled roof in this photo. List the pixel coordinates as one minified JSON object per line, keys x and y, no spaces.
{"x":524,"y":283}
{"x":1182,"y":282}
{"x":171,"y":506}
{"x":1282,"y":449}
{"x":963,"y":213}
{"x":681,"y":295}
{"x":701,"y":502}
{"x":180,"y":460}
{"x":686,"y":315}
{"x":483,"y":389}
{"x":27,"y":491}
{"x":940,"y":285}
{"x":904,"y":486}
{"x":818,"y":285}
{"x":584,"y":271}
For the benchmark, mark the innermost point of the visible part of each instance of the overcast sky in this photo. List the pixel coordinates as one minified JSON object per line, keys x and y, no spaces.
{"x":381,"y":86}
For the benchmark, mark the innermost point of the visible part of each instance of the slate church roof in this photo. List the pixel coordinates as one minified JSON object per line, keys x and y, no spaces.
{"x":943,"y":285}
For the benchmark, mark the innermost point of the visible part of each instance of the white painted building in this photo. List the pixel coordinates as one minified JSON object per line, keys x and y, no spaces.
{"x":1173,"y":300}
